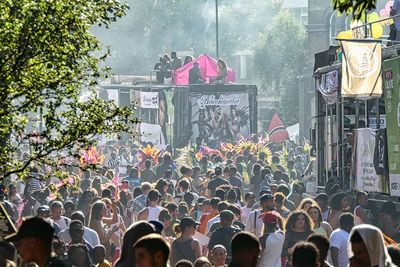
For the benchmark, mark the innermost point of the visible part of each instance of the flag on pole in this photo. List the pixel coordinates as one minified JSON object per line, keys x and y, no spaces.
{"x":361,"y":69}
{"x":276,"y":130}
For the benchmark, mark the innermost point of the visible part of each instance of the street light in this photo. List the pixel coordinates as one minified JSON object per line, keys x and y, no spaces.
{"x":216,"y":28}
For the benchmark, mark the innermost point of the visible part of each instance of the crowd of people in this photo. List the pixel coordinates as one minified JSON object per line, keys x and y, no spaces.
{"x":231,"y":206}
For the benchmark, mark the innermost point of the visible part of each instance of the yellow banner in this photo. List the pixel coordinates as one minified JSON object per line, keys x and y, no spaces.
{"x":361,"y":69}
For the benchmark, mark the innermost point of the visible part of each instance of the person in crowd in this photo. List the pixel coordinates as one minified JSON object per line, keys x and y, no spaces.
{"x":339,"y":240}
{"x":284,"y":189}
{"x":147,"y":174}
{"x":219,"y":255}
{"x":320,"y":227}
{"x":367,"y":247}
{"x":166,"y":219}
{"x":151,"y":251}
{"x":305,"y":254}
{"x":209,"y":214}
{"x":222,"y":72}
{"x":298,"y":228}
{"x":176,"y":62}
{"x":78,"y":256}
{"x":223,"y":205}
{"x":256,"y":178}
{"x":162,"y":187}
{"x":387,"y":220}
{"x":185,"y":247}
{"x":322,"y":244}
{"x":394,"y":253}
{"x":56,"y":211}
{"x":98,"y":222}
{"x":323,"y":201}
{"x":76,"y":233}
{"x":99,"y":256}
{"x":272,"y":240}
{"x":34,"y":239}
{"x":245,"y":250}
{"x":195,"y":74}
{"x":361,"y":212}
{"x":296,"y":194}
{"x":7,"y":254}
{"x":152,"y":210}
{"x":136,"y":231}
{"x":184,"y":263}
{"x":217,"y":181}
{"x":339,"y":203}
{"x":202,"y":262}
{"x":85,"y":202}
{"x":89,"y":235}
{"x":250,"y":200}
{"x":279,"y":200}
{"x":306,"y":203}
{"x":254,"y":224}
{"x":224,"y":234}
{"x":188,"y":59}
{"x":140,"y":202}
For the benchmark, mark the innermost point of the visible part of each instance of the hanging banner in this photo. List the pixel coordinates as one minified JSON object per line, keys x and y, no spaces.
{"x":392,"y":107}
{"x":327,"y":85}
{"x":366,"y":177}
{"x":361,"y":69}
{"x":152,"y":133}
{"x":145,"y":99}
{"x":219,"y":118}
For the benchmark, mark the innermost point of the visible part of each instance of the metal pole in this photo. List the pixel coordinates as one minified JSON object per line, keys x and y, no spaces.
{"x":216,"y":28}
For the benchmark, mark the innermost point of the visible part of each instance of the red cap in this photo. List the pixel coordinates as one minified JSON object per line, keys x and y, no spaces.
{"x":270,"y":217}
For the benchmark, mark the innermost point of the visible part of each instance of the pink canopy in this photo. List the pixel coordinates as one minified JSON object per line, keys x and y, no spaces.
{"x":208,"y":69}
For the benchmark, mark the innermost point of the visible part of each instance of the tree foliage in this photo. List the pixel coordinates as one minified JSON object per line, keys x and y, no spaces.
{"x":280,"y":56}
{"x":48,"y":57}
{"x":154,"y":27}
{"x":355,"y":7}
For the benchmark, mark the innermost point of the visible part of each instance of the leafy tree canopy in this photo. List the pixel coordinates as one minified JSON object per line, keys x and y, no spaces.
{"x":48,"y":57}
{"x":355,"y":7}
{"x":279,"y":57}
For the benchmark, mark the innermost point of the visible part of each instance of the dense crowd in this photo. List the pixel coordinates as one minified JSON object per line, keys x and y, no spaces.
{"x":243,"y":205}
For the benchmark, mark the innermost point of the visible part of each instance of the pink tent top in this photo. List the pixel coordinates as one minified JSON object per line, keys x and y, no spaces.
{"x":208,"y":69}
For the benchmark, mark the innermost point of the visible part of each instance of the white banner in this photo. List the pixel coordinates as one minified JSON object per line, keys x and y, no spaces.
{"x":365,"y":174}
{"x":394,"y":184}
{"x":148,"y":100}
{"x":152,"y":133}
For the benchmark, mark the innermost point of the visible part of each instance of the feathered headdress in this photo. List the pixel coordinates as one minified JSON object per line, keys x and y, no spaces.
{"x":148,"y":152}
{"x":90,"y":156}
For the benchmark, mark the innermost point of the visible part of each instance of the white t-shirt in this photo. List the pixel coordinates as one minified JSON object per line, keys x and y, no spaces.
{"x":63,"y":223}
{"x":340,"y":240}
{"x":245,"y":212}
{"x":257,"y":230}
{"x":89,"y":235}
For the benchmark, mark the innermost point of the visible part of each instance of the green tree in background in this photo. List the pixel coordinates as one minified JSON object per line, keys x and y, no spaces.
{"x":47,"y":58}
{"x":355,"y":7}
{"x":151,"y":28}
{"x":279,"y":57}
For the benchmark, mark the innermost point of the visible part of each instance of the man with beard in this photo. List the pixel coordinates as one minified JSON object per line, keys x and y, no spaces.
{"x":245,"y":250}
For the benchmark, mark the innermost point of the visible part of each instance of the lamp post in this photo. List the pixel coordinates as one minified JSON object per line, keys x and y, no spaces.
{"x":216,"y":28}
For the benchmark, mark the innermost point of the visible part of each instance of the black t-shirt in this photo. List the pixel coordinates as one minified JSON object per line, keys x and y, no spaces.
{"x":56,"y":262}
{"x":223,"y":236}
{"x":213,"y":184}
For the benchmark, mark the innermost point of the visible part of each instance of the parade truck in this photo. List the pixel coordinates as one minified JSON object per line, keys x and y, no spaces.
{"x":173,"y":115}
{"x":356,"y":132}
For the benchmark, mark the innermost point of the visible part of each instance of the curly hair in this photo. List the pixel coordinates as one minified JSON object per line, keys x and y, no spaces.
{"x":293,"y":217}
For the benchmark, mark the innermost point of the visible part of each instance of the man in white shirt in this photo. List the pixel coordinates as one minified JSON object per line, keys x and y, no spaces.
{"x":254,"y":223}
{"x":340,"y":240}
{"x":56,"y":211}
{"x":89,"y":235}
